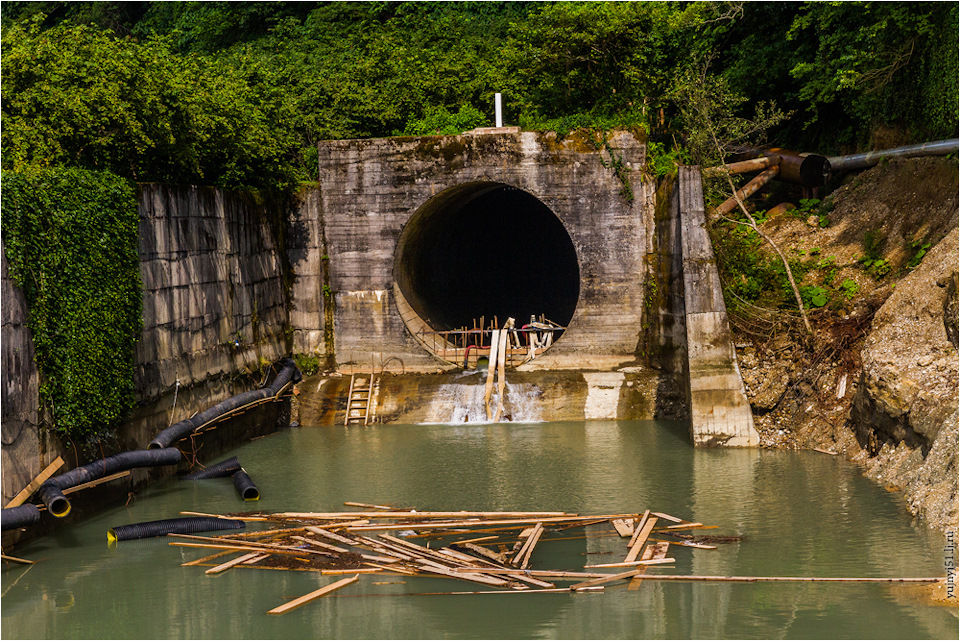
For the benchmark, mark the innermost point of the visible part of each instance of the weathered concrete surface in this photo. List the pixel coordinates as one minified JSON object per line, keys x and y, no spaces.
{"x":905,"y":410}
{"x":719,"y":411}
{"x":556,"y":395}
{"x":370,"y":188}
{"x":213,"y":292}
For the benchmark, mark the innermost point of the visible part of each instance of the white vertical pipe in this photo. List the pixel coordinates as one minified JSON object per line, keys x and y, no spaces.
{"x":499,"y":109}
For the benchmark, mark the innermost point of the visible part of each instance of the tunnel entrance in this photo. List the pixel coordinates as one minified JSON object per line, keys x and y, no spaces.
{"x":483,"y":250}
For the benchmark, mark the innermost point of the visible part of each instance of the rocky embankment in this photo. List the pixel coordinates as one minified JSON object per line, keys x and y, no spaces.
{"x":878,"y":382}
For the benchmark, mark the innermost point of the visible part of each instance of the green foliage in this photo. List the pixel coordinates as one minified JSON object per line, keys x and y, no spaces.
{"x":440,"y":121}
{"x":76,"y":96}
{"x":920,"y":250}
{"x":71,"y":241}
{"x":749,"y":273}
{"x":710,"y":115}
{"x":849,"y":288}
{"x":813,"y":296}
{"x":662,"y":162}
{"x":308,"y":365}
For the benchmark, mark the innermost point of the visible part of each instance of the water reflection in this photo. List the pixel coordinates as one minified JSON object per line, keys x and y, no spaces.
{"x":800,"y":513}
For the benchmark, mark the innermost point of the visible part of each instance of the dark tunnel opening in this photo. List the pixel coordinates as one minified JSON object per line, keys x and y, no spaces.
{"x":486,"y":249}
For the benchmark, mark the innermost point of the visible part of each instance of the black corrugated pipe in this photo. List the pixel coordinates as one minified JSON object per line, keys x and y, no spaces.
{"x":217,"y":470}
{"x":51,"y":492}
{"x":871,"y":158}
{"x":244,"y":485}
{"x":288,"y":374}
{"x":187,"y":525}
{"x":20,"y":516}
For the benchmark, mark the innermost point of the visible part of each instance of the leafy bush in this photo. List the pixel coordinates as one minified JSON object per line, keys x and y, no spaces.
{"x":71,"y":239}
{"x":439,"y":121}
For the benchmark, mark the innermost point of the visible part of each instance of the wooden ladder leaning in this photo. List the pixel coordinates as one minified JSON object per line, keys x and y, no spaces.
{"x":360,"y":398}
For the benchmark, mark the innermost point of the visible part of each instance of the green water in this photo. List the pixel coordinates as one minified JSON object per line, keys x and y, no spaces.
{"x":800,"y":513}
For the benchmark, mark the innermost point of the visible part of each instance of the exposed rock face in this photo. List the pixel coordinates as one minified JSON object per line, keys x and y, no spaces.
{"x":905,"y":410}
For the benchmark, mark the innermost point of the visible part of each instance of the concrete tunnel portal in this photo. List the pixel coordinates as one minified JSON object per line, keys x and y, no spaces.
{"x":484,"y":249}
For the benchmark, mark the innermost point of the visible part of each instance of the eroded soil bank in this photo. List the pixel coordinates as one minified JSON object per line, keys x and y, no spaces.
{"x":877,"y":382}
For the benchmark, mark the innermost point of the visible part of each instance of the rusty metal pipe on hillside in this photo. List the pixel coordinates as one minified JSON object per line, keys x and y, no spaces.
{"x":742,"y":167}
{"x":800,"y":168}
{"x":747,"y":190}
{"x":871,"y":158}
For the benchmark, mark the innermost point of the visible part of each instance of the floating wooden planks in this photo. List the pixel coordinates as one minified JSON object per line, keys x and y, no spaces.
{"x":306,"y":598}
{"x":356,"y":543}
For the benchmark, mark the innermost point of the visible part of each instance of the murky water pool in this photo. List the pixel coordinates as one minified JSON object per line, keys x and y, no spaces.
{"x":799,"y":513}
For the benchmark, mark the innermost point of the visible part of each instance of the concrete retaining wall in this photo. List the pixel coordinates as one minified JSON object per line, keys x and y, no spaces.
{"x":369,"y":189}
{"x":719,"y":411}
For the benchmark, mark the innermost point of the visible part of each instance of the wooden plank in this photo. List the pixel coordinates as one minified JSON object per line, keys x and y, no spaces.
{"x":237,"y":561}
{"x":477,"y":540}
{"x":14,"y":559}
{"x":607,"y":579}
{"x":544,"y":574}
{"x":531,"y":543}
{"x":466,"y":576}
{"x":32,"y":486}
{"x":462,"y":524}
{"x":205,"y":559}
{"x":799,"y":579}
{"x":652,"y":551}
{"x":667,"y":517}
{"x":321,"y":544}
{"x":639,"y":526}
{"x":501,"y":371}
{"x":519,"y":577}
{"x":491,"y":370}
{"x":316,"y":594}
{"x":627,"y":564}
{"x":89,"y":484}
{"x":333,"y":536}
{"x":369,"y":505}
{"x":624,"y":527}
{"x":404,"y":514}
{"x":641,"y":540}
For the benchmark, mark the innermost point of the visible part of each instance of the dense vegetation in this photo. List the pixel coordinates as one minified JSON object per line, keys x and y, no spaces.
{"x":71,"y":236}
{"x":238,"y":94}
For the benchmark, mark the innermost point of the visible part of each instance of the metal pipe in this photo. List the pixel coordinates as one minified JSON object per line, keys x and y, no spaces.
{"x":747,"y":190}
{"x":871,"y":158}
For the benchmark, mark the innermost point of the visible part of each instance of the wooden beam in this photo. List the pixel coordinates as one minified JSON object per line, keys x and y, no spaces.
{"x":14,"y":559}
{"x":747,"y":190}
{"x":32,"y":486}
{"x":652,"y":551}
{"x":237,"y":561}
{"x":628,"y":564}
{"x":316,"y":594}
{"x":607,"y":579}
{"x":641,"y":540}
{"x":89,"y":484}
{"x":639,"y":526}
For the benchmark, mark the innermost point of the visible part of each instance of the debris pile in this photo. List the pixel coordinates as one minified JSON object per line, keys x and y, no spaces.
{"x":492,"y":549}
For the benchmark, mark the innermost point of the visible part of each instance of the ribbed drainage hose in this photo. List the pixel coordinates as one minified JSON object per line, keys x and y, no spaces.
{"x":215,"y":471}
{"x":288,"y":374}
{"x":51,"y":492}
{"x":20,"y":516}
{"x":245,"y":486}
{"x":187,"y":525}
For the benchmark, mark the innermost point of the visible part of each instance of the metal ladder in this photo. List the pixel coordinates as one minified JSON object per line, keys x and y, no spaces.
{"x":359,"y":399}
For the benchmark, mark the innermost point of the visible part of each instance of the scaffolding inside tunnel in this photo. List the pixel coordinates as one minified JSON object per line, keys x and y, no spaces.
{"x":467,"y":347}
